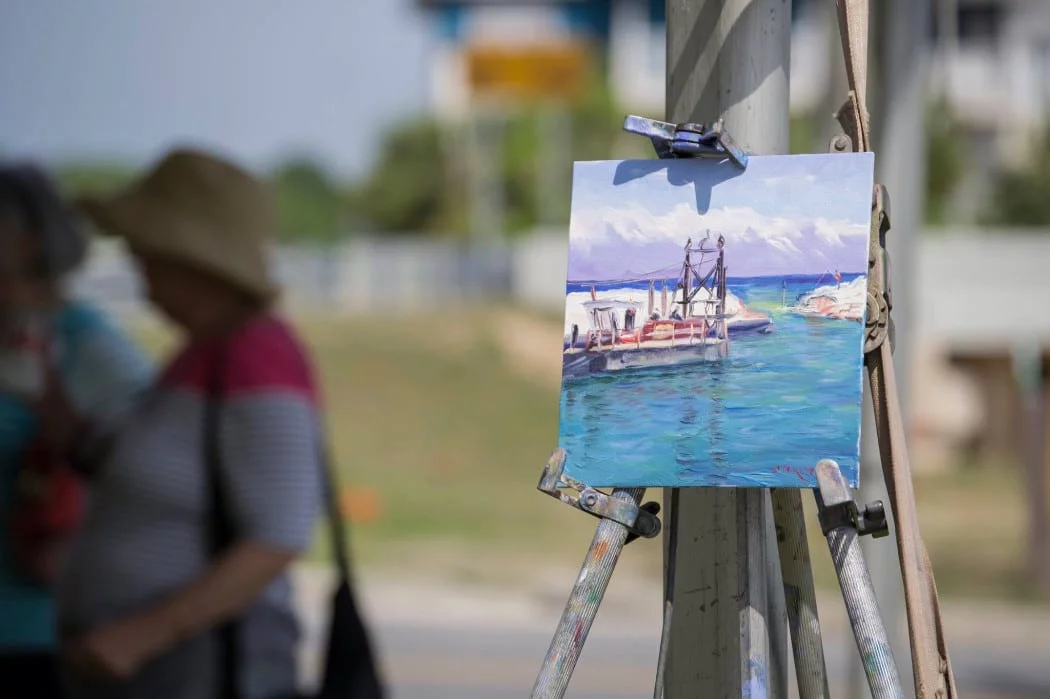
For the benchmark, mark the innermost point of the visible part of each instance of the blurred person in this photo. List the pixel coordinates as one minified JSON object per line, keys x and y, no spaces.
{"x":67,"y":375}
{"x":212,"y":491}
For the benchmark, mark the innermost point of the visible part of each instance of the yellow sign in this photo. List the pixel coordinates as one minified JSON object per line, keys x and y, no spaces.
{"x":545,"y":70}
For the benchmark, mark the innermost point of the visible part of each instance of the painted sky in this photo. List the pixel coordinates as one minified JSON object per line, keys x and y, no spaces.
{"x":797,"y":214}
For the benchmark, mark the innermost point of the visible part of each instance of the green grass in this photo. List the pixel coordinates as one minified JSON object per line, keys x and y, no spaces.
{"x":432,"y":415}
{"x":429,"y":415}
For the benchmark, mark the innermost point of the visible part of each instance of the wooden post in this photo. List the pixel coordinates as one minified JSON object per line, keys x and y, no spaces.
{"x":1041,"y":518}
{"x":727,"y":58}
{"x":897,"y":94}
{"x":553,"y":178}
{"x":1031,"y":391}
{"x":485,"y":141}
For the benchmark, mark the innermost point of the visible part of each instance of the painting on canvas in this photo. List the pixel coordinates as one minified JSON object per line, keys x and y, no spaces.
{"x":714,"y":320}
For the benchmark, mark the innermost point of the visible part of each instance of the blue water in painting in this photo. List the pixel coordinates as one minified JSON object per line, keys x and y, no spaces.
{"x":763,"y":416}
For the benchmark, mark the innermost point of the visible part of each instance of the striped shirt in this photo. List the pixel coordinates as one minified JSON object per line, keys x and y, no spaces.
{"x":147,"y":533}
{"x":103,"y":372}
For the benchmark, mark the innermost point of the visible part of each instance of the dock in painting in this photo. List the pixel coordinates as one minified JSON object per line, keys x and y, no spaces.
{"x":695,"y":327}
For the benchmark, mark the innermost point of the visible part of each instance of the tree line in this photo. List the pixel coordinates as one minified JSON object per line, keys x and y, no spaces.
{"x":419,"y":181}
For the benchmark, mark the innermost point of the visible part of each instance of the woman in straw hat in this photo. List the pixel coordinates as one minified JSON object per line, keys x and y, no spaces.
{"x":67,"y":376}
{"x":213,"y":490}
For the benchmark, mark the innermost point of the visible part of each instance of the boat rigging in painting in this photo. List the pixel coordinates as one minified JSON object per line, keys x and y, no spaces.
{"x":695,"y":325}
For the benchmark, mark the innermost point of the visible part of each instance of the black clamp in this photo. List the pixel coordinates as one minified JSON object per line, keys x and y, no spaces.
{"x":687,"y":140}
{"x":639,"y":520}
{"x":869,"y":521}
{"x":836,"y":507}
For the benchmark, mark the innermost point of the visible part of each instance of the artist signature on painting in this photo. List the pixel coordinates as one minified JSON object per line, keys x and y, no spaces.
{"x":805,"y":475}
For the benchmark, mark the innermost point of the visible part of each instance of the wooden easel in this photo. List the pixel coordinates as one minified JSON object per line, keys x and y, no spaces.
{"x":624,"y":518}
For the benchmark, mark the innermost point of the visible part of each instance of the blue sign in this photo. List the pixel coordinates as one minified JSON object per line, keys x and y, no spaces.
{"x":582,"y":17}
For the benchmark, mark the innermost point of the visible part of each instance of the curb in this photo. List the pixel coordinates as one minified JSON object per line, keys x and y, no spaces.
{"x":631,"y":607}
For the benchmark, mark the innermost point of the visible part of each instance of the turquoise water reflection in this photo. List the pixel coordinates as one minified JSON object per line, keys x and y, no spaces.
{"x":764,"y":416}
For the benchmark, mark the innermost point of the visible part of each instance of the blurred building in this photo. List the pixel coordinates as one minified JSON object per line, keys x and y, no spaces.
{"x":624,"y":40}
{"x":990,"y":61}
{"x":993,"y":61}
{"x":542,"y":44}
{"x":992,"y":67}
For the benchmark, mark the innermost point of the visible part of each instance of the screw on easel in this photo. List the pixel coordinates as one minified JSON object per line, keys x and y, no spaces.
{"x":652,"y":509}
{"x":841,"y":144}
{"x":639,"y":520}
{"x":872,"y":520}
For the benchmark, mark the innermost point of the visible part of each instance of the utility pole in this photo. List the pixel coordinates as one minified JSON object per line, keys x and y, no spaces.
{"x":730,"y":59}
{"x":837,"y":87}
{"x":899,"y":84}
{"x":553,"y":178}
{"x":485,"y":145}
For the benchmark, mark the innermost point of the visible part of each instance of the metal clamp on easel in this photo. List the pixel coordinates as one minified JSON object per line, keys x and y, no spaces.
{"x":639,"y":520}
{"x":687,"y":140}
{"x":622,"y":520}
{"x":839,"y":509}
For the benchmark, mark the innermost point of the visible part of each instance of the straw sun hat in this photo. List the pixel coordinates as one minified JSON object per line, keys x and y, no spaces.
{"x":195,"y":208}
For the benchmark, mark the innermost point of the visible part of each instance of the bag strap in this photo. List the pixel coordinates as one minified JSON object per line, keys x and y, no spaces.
{"x":336,"y":522}
{"x":220,"y":524}
{"x":221,"y":527}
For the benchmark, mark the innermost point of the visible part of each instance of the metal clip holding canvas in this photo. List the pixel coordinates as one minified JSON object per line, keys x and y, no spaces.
{"x":640,"y":520}
{"x":687,"y":140}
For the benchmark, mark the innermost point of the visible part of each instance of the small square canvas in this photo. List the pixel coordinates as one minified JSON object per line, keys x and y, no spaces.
{"x":714,"y":322}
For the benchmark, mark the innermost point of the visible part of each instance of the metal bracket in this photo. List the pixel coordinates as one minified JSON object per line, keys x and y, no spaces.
{"x":837,"y":508}
{"x":871,"y":520}
{"x":879,"y":322}
{"x":640,"y":521}
{"x":687,"y":140}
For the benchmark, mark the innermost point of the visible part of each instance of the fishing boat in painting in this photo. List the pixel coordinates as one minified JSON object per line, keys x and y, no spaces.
{"x":694,"y":326}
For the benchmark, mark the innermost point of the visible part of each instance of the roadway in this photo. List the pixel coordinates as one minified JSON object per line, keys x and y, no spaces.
{"x":493,"y":659}
{"x":472,"y":664}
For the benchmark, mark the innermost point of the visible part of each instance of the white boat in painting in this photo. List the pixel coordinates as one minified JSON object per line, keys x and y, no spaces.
{"x":695,"y":327}
{"x":837,"y":301}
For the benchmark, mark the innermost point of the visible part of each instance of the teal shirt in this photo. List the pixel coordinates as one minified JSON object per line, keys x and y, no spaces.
{"x":103,"y":371}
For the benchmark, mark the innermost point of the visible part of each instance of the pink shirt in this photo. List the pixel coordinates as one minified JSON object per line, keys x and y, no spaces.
{"x":147,"y":533}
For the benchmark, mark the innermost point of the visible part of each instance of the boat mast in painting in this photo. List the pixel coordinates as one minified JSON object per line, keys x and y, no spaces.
{"x":714,"y":282}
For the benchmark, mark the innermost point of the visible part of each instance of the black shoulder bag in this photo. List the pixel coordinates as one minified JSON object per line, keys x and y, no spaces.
{"x":350,"y":670}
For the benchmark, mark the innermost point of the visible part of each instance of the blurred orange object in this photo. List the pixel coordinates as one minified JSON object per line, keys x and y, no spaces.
{"x":361,"y":505}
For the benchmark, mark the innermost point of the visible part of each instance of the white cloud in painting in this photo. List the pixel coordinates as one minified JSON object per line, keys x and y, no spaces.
{"x":617,"y":243}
